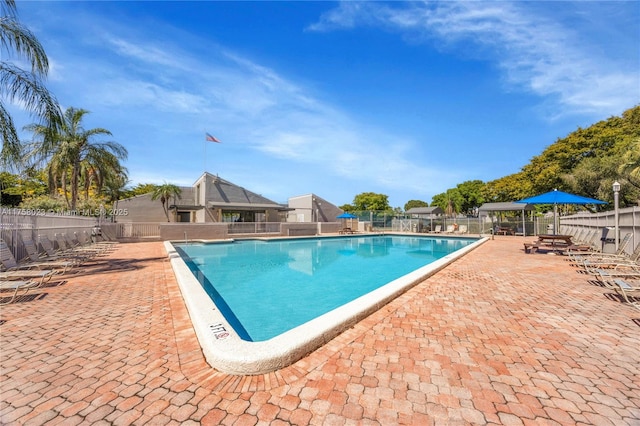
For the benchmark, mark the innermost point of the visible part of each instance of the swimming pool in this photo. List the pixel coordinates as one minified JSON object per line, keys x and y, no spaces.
{"x":260,"y":305}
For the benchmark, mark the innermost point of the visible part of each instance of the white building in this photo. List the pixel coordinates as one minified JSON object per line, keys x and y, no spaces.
{"x":311,"y":208}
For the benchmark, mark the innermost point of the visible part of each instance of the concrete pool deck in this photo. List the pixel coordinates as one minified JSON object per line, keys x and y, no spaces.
{"x":496,"y":337}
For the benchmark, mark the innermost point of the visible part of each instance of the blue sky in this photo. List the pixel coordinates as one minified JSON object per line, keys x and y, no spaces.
{"x":336,"y":99}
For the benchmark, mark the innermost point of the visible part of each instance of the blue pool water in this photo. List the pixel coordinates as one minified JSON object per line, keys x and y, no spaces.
{"x":265,"y":288}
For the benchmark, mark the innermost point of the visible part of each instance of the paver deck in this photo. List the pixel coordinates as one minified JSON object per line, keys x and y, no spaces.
{"x":498,"y":337}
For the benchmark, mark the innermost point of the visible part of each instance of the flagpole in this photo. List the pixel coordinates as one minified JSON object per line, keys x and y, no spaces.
{"x":208,"y":138}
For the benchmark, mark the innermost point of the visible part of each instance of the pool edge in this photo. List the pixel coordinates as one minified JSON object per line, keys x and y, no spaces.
{"x":226,"y":352}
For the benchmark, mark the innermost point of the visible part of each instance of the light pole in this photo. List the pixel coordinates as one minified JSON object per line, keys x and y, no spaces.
{"x":616,"y":191}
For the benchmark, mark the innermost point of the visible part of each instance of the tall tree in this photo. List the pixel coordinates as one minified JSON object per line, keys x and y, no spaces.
{"x":630,"y":166}
{"x":450,"y":201}
{"x":415,"y":203}
{"x":471,"y":192}
{"x":164,"y":193}
{"x":17,"y":85}
{"x":371,"y":201}
{"x":114,"y":186}
{"x":71,"y":147}
{"x":97,"y":168}
{"x":508,"y":188}
{"x":139,"y":189}
{"x":602,"y":139}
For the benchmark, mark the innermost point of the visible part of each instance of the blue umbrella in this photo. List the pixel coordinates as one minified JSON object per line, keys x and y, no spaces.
{"x":556,"y":197}
{"x":559,"y":197}
{"x":347,"y":216}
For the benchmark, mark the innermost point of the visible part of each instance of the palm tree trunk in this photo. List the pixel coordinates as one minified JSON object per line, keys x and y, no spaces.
{"x":51,"y":182}
{"x":64,"y":187}
{"x":165,"y":207}
{"x":74,"y":184}
{"x":87,"y":183}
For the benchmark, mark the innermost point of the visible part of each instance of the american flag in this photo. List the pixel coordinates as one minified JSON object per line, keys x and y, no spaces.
{"x":212,"y":138}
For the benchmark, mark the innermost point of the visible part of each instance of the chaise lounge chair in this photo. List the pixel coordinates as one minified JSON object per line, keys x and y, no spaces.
{"x":628,"y":262}
{"x":54,"y":262}
{"x":607,"y":277}
{"x":461,"y":230}
{"x":70,"y":246}
{"x":11,"y":270}
{"x":99,"y":239}
{"x":87,"y":244}
{"x":582,"y":246}
{"x":593,"y":255}
{"x":629,"y":290}
{"x":17,"y":287}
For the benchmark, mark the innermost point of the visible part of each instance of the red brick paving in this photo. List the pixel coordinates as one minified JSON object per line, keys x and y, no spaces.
{"x":498,"y":337}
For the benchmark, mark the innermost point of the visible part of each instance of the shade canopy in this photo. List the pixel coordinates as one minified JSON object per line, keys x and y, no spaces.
{"x":347,"y":216}
{"x":556,"y":197}
{"x":559,"y":197}
{"x":425,"y":210}
{"x":503,"y":207}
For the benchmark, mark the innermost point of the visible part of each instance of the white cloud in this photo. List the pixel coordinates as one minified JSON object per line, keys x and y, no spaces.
{"x":150,"y":54}
{"x":156,"y":96}
{"x":537,"y":53}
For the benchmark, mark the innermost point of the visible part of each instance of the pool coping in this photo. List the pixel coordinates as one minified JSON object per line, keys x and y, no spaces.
{"x":225,"y":351}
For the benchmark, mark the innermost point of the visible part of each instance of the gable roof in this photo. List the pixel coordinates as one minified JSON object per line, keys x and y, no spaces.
{"x":222,"y":193}
{"x":425,"y":210}
{"x":501,"y":207}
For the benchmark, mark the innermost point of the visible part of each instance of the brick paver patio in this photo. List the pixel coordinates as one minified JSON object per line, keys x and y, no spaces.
{"x":499,"y":337}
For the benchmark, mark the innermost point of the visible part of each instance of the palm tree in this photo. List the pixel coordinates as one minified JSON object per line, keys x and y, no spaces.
{"x":164,"y":193}
{"x":68,"y":149}
{"x":21,"y":86}
{"x":97,"y":168}
{"x":114,"y":185}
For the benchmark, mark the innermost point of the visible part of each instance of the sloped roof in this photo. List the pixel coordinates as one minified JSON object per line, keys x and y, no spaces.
{"x":228,"y":192}
{"x":425,"y":210}
{"x":501,"y":207}
{"x":222,"y":193}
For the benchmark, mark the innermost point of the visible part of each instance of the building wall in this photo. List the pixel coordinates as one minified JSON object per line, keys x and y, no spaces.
{"x":141,"y":209}
{"x":311,"y":208}
{"x":302,"y":209}
{"x":206,"y":189}
{"x":206,"y":216}
{"x":189,"y":231}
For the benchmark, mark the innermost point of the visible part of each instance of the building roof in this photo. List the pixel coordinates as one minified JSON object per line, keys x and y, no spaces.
{"x":224,"y":194}
{"x":500,"y":207}
{"x":425,"y":210}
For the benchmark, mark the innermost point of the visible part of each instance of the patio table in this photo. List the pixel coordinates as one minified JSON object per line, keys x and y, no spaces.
{"x":555,"y":242}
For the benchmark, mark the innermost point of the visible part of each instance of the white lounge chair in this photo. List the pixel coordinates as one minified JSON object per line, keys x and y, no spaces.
{"x":607,"y":277}
{"x":69,"y":246}
{"x":600,"y":262}
{"x":55,"y":262}
{"x":17,"y":287}
{"x":629,"y":290}
{"x":462,"y":229}
{"x":11,"y":270}
{"x":593,"y":255}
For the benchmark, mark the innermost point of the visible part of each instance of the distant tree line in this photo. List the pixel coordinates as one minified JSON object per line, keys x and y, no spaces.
{"x":586,"y":162}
